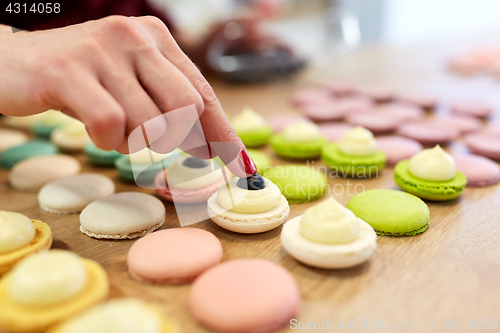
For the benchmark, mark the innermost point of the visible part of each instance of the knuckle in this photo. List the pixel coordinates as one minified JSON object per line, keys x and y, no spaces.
{"x":205,"y":89}
{"x":154,"y":22}
{"x":117,"y":23}
{"x":104,"y":121}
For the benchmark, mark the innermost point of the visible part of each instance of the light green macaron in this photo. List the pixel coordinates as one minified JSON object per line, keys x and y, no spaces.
{"x":298,"y":183}
{"x":391,"y":212}
{"x":426,"y":189}
{"x":351,"y":165}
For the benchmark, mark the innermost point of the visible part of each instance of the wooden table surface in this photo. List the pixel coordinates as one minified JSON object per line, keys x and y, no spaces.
{"x":450,"y":272}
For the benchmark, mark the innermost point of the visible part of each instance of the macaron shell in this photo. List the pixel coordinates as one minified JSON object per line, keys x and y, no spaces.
{"x":423,"y":100}
{"x":67,"y":142}
{"x":328,"y":256}
{"x":11,"y":156}
{"x":480,"y":171}
{"x":247,"y":223}
{"x":124,"y":215}
{"x":398,"y":148}
{"x":245,"y":296}
{"x":100,"y":157}
{"x":279,"y":121}
{"x":334,"y":131}
{"x":299,"y":151}
{"x":186,"y":195}
{"x":343,"y":165}
{"x":471,"y":108}
{"x":390,"y":212}
{"x":487,"y":145}
{"x":72,"y":194}
{"x":256,"y":138}
{"x":18,"y":318}
{"x":185,"y":254}
{"x":10,"y":138}
{"x":41,"y":242}
{"x":430,"y":190}
{"x":33,"y":173}
{"x":376,"y":123}
{"x":428,"y":134}
{"x":462,"y":124}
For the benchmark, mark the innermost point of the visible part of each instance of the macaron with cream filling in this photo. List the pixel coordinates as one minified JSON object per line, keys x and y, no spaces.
{"x":21,"y":236}
{"x":47,"y":288}
{"x":71,"y":136}
{"x":248,"y":205}
{"x":252,"y":128}
{"x":300,"y":140}
{"x":190,"y":180}
{"x":355,"y":155}
{"x":329,"y":236}
{"x":122,"y":315}
{"x":430,"y":174}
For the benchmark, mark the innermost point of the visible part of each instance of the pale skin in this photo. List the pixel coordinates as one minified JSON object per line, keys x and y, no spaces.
{"x":113,"y":74}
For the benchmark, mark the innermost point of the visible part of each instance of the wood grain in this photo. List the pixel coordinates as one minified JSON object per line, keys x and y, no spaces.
{"x":452,"y":271}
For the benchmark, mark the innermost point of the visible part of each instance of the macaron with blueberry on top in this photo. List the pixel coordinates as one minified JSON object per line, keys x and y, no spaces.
{"x":252,"y":128}
{"x":431,"y":174}
{"x":355,"y":155}
{"x":301,"y":140}
{"x":248,"y":205}
{"x":190,"y":180}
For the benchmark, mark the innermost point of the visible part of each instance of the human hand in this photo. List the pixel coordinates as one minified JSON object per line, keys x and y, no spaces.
{"x":114,"y":74}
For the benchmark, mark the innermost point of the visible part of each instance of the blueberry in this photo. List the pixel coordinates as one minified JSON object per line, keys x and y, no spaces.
{"x":253,"y":183}
{"x":195,"y":163}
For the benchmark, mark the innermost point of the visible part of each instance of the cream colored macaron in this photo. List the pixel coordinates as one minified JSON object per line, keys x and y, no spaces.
{"x":237,"y":208}
{"x":33,"y":173}
{"x":47,"y":288}
{"x":329,"y":236}
{"x":122,"y":215}
{"x":72,"y":194}
{"x":10,"y":138}
{"x":71,"y":136}
{"x":122,"y":315}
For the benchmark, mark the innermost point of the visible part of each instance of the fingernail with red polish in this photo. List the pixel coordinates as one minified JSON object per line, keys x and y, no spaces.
{"x":247,"y":163}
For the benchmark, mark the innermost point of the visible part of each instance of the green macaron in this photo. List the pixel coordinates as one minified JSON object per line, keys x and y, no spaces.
{"x":298,"y":183}
{"x":352,"y":165}
{"x":9,"y":157}
{"x":426,"y":189}
{"x":262,"y":161}
{"x":142,"y":173}
{"x":297,"y":150}
{"x":255,"y":138}
{"x":100,"y":157}
{"x":43,"y":130}
{"x":391,"y":212}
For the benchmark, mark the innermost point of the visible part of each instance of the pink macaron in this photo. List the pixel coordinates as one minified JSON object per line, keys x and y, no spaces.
{"x":279,"y":121}
{"x":428,"y":134}
{"x":398,"y":148}
{"x":472,"y":109}
{"x":327,"y":111}
{"x":334,"y":131}
{"x":423,"y":100}
{"x":245,"y":296}
{"x":340,"y":89}
{"x":484,"y":144}
{"x":480,"y":171}
{"x":378,"y":94}
{"x":374,"y":122}
{"x":493,"y":129}
{"x":400,"y":111}
{"x":310,"y":96}
{"x":173,"y":256}
{"x":186,"y":196}
{"x":462,"y":124}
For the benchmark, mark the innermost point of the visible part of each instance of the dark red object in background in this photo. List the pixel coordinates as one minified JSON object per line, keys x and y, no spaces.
{"x":73,"y":12}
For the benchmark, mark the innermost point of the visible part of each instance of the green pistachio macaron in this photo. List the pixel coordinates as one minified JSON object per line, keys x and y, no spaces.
{"x":43,"y":130}
{"x":262,"y":161}
{"x":143,"y":173}
{"x":100,"y":157}
{"x":298,"y":183}
{"x":352,"y":165}
{"x":297,"y":150}
{"x":426,"y":189}
{"x":255,"y":138}
{"x":11,"y":156}
{"x":391,"y":212}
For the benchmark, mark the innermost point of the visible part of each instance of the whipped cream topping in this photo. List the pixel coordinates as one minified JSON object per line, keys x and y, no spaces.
{"x":248,"y":120}
{"x":16,"y":231}
{"x":358,"y":141}
{"x":47,"y":278}
{"x":433,"y":164}
{"x":301,"y":131}
{"x":329,"y":223}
